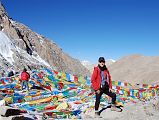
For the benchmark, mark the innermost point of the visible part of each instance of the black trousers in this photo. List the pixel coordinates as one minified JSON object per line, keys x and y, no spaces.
{"x":107,"y":92}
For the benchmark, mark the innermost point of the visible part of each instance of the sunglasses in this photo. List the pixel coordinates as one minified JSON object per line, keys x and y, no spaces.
{"x":101,"y":61}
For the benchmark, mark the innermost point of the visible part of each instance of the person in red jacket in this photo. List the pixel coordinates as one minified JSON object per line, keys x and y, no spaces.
{"x":25,"y":76}
{"x":102,"y":83}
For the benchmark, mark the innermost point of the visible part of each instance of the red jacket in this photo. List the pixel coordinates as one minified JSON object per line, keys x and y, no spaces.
{"x":96,"y":78}
{"x":25,"y":76}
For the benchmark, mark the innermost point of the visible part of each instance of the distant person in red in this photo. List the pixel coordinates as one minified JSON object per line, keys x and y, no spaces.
{"x":102,"y":83}
{"x":25,"y":76}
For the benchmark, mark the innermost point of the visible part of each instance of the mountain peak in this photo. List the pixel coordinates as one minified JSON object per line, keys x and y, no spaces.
{"x":30,"y":49}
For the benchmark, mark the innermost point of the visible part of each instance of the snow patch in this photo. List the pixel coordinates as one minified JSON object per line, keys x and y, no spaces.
{"x":111,"y":60}
{"x":38,"y":58}
{"x":86,"y":62}
{"x":6,"y":47}
{"x":32,"y":59}
{"x":12,"y":21}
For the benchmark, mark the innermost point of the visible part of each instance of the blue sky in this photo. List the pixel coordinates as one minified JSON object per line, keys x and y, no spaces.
{"x":87,"y":29}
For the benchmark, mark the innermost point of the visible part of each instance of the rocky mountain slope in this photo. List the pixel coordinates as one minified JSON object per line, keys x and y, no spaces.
{"x":136,"y":69}
{"x":20,"y":47}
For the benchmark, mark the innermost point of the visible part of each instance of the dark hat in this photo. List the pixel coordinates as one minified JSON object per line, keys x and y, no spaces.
{"x":101,"y":59}
{"x":24,"y":69}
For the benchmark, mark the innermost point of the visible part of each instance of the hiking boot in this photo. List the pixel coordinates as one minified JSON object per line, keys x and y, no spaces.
{"x":97,"y":115}
{"x":114,"y":108}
